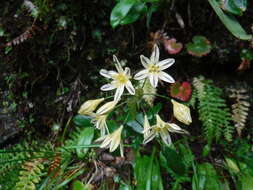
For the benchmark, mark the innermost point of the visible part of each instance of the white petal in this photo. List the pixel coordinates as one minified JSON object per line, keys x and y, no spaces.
{"x":155,"y":55}
{"x":107,"y":87}
{"x":118,"y":93}
{"x":127,"y":71}
{"x":130,"y":88}
{"x":174,"y":126}
{"x":153,"y":78}
{"x":117,"y":64}
{"x":149,"y":137}
{"x":165,"y":77}
{"x":105,"y":73}
{"x":145,"y":61}
{"x":141,"y":74}
{"x":106,"y":142}
{"x":164,"y":64}
{"x":165,"y":137}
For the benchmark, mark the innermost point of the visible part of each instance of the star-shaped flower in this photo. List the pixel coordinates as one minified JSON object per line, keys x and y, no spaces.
{"x":121,"y":79}
{"x":161,"y":129}
{"x":154,"y":68}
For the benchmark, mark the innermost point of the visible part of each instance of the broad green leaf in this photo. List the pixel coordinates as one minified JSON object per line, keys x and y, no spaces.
{"x":208,"y":178}
{"x":136,"y":124}
{"x":78,"y":185}
{"x":230,"y":22}
{"x":170,"y":159}
{"x":236,"y":7}
{"x":85,"y":138}
{"x":246,"y":182}
{"x":120,"y":11}
{"x":82,"y":120}
{"x":135,"y":12}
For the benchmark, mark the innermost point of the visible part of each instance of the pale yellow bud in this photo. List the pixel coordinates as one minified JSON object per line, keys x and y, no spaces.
{"x":107,"y":107}
{"x":89,"y":106}
{"x":181,"y":112}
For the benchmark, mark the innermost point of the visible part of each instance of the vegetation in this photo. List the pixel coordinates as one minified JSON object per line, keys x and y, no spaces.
{"x":126,"y":95}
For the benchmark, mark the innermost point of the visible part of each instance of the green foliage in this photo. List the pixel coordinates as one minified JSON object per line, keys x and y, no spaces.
{"x":206,"y":178}
{"x":147,"y":172}
{"x":213,"y":111}
{"x":230,"y":22}
{"x":30,"y":175}
{"x":128,"y":11}
{"x":236,"y":7}
{"x":246,"y":54}
{"x":81,"y":137}
{"x":12,"y":160}
{"x":200,"y":46}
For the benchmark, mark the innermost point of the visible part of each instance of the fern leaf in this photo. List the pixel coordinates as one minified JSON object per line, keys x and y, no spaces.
{"x":213,"y":111}
{"x":240,"y":108}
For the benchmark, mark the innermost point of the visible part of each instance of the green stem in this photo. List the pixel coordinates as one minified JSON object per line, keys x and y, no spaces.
{"x":158,"y":95}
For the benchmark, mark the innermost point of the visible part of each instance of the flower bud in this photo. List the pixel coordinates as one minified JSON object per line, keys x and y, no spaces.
{"x":89,"y":106}
{"x":181,"y":112}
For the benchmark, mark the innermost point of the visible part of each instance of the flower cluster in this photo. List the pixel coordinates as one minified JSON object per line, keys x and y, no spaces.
{"x":121,"y":79}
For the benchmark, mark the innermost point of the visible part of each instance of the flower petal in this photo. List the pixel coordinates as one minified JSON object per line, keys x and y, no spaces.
{"x":108,"y":87}
{"x":153,"y":78}
{"x":141,"y":74}
{"x":165,"y":77}
{"x":106,"y":142}
{"x":145,"y":61}
{"x":165,"y":137}
{"x":149,"y":137}
{"x":164,"y":64}
{"x":118,"y":93}
{"x":155,"y":55}
{"x":106,"y":107}
{"x":105,"y":73}
{"x":117,"y":64}
{"x":130,"y":88}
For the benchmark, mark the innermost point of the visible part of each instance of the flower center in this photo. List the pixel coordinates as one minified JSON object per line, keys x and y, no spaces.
{"x":121,"y":78}
{"x":153,"y":68}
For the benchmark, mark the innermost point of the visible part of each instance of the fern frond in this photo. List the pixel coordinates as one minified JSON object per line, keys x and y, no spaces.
{"x":240,"y":108}
{"x":29,"y":33}
{"x":213,"y":111}
{"x":30,"y":175}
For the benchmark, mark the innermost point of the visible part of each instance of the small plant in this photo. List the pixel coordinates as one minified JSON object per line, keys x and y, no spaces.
{"x":199,"y":46}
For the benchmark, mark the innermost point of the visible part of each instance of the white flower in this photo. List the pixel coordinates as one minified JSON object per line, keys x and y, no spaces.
{"x":89,"y":106}
{"x":154,"y":68}
{"x":100,"y":122}
{"x":120,"y":80}
{"x":182,"y":112}
{"x":99,"y":118}
{"x":161,"y":129}
{"x":112,"y":140}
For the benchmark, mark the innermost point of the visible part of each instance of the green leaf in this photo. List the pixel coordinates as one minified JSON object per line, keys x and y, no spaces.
{"x":230,"y":22}
{"x":246,"y":182}
{"x":85,"y":138}
{"x":236,"y":7}
{"x":136,"y":124}
{"x":78,"y":185}
{"x":135,"y":12}
{"x":120,"y":11}
{"x":200,"y":46}
{"x":170,"y":159}
{"x":82,"y":120}
{"x":207,"y":178}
